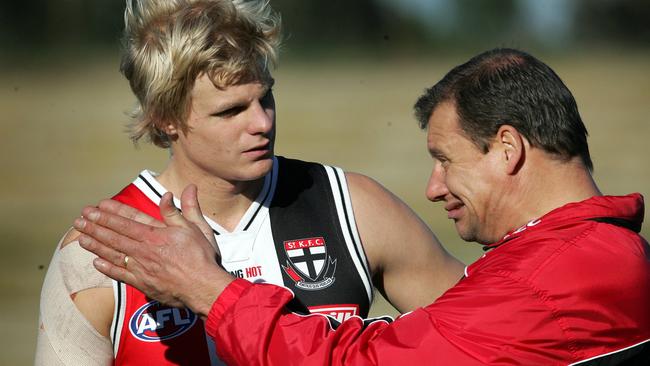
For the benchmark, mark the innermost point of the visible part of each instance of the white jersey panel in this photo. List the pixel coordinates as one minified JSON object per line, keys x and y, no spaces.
{"x":348,"y":225}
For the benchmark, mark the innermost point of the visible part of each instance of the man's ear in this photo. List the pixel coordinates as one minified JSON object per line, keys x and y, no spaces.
{"x":513,"y":146}
{"x":170,"y":130}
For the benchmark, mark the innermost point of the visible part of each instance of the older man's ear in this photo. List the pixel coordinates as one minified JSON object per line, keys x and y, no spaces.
{"x":513,"y":147}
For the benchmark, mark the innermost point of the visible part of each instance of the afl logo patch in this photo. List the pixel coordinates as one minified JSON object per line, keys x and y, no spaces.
{"x":154,"y":322}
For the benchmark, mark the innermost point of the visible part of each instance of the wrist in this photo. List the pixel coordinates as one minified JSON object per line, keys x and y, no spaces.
{"x":206,"y":290}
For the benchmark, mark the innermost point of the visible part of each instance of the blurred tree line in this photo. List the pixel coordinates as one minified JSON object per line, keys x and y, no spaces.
{"x":325,"y":26}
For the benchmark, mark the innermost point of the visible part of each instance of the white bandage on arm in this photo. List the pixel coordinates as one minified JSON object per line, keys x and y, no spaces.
{"x":65,"y":337}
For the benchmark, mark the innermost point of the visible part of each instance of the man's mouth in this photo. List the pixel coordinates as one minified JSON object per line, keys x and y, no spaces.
{"x":454,"y":210}
{"x":259,"y":150}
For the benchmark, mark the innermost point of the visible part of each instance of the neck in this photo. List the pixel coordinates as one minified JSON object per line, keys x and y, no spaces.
{"x":224,"y":201}
{"x":552,"y":184}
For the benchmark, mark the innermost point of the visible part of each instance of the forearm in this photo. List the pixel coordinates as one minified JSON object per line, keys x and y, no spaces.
{"x":250,"y":317}
{"x":252,"y":326}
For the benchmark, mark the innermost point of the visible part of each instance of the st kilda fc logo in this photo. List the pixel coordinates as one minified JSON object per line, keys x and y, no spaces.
{"x":308,"y":264}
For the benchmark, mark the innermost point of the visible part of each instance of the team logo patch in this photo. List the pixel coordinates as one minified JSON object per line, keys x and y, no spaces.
{"x":154,"y":322}
{"x":340,"y":312}
{"x":308,"y":264}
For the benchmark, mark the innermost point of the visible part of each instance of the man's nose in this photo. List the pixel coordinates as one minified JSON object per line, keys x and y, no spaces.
{"x":262,"y":119}
{"x":437,"y":187}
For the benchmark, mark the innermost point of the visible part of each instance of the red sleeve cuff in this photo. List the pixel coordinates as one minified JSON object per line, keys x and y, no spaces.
{"x":228,"y":297}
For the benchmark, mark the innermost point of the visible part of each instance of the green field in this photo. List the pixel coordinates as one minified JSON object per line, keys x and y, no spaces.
{"x":66,"y":147}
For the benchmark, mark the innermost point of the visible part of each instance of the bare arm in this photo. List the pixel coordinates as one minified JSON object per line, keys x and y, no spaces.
{"x":409,"y":265}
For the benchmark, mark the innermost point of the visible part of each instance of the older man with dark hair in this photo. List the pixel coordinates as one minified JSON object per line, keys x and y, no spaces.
{"x":565,"y":280}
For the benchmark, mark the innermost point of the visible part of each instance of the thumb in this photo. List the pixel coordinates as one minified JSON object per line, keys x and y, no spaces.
{"x":170,"y":214}
{"x":192,"y":212}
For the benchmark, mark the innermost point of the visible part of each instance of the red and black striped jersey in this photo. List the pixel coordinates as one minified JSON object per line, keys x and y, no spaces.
{"x":299,"y":233}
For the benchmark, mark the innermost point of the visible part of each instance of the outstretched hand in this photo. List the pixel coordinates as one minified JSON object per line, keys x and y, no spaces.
{"x":173,"y":261}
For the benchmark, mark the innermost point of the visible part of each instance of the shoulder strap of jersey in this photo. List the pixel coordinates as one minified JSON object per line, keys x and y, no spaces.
{"x":131,"y":195}
{"x":341,"y":194}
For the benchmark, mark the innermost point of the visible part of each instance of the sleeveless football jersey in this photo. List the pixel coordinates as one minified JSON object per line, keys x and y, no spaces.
{"x":299,"y":233}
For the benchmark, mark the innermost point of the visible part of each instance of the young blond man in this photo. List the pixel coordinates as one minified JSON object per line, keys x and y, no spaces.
{"x":200,"y":72}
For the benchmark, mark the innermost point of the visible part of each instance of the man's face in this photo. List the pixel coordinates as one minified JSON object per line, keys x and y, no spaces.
{"x":464,"y":178}
{"x":231,"y":131}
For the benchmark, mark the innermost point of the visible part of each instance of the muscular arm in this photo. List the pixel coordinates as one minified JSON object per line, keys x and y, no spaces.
{"x":410,"y":267}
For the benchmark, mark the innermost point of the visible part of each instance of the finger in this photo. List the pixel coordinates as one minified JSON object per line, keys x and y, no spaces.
{"x":192,"y":212}
{"x":170,"y":214}
{"x":105,"y":237}
{"x":115,"y":223}
{"x":126,"y":211}
{"x":133,"y":278}
{"x":115,"y":272}
{"x":101,"y":250}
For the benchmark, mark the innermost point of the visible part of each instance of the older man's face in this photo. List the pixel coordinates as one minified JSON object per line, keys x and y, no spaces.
{"x":464,"y":178}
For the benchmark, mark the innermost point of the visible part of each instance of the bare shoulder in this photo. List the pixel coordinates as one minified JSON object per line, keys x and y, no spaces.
{"x":373,"y":202}
{"x":366,"y":190}
{"x":71,"y":236}
{"x":382,"y":218}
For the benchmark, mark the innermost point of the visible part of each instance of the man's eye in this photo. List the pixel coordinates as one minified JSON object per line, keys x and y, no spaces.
{"x":230,"y":112}
{"x":444,"y":163}
{"x":440,"y":159}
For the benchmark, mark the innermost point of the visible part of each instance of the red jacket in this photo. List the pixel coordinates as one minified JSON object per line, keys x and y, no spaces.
{"x":571,"y":286}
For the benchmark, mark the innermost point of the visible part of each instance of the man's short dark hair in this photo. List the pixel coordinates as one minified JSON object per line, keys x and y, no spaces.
{"x":510,"y":87}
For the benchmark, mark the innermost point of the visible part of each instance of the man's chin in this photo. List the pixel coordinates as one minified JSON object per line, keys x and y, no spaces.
{"x":465,"y":233}
{"x":468,"y":238}
{"x":260,"y":168}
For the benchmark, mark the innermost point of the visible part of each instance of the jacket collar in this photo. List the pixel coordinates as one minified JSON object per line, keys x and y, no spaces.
{"x":626,"y":211}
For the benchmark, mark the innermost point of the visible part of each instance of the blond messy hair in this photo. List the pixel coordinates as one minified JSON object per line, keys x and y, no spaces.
{"x":169,"y":43}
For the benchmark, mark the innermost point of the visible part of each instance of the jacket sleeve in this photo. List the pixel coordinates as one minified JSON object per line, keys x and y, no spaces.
{"x":491,"y":319}
{"x":251,"y":326}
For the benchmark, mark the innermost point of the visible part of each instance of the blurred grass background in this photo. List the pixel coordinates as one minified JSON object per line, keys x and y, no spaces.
{"x":346,"y":102}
